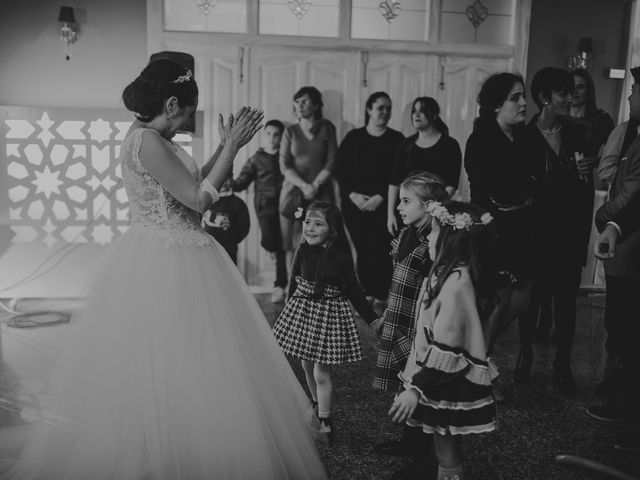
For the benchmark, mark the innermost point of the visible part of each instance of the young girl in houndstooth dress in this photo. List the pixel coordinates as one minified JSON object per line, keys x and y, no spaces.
{"x":316,"y":325}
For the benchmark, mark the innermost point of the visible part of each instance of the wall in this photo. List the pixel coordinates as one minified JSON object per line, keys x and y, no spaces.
{"x":110,"y":51}
{"x":556,"y":28}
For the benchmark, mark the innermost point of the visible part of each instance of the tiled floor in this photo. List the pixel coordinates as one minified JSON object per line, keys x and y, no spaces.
{"x":535,"y":422}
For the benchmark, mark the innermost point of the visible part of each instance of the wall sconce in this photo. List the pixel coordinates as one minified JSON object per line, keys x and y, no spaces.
{"x":67,"y":34}
{"x":581,"y":58}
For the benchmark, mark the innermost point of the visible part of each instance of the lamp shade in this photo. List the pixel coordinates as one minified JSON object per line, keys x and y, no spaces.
{"x":585,"y":45}
{"x":66,"y":15}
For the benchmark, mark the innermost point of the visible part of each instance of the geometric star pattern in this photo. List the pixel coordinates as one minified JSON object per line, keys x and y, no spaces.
{"x":64,"y":179}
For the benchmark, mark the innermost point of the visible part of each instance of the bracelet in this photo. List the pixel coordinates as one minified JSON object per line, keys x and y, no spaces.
{"x":206,"y":186}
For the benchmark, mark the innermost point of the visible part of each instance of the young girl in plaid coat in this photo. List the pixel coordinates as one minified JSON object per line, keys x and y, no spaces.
{"x":316,"y":325}
{"x":411,"y":265}
{"x":448,"y":377}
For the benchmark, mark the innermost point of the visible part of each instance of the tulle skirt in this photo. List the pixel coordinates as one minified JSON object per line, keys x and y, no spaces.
{"x":171,"y":372}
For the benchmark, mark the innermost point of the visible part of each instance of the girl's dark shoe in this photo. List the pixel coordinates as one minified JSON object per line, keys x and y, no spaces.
{"x":326,"y":427}
{"x":522,"y":372}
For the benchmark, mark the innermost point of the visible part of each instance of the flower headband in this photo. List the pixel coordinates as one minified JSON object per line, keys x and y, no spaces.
{"x":183,"y":78}
{"x":458,"y":221}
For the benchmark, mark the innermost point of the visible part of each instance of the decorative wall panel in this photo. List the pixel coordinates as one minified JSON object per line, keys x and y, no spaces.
{"x":317,"y":18}
{"x":63,"y":178}
{"x":390,"y":20}
{"x":228,"y":16}
{"x":489,"y":22}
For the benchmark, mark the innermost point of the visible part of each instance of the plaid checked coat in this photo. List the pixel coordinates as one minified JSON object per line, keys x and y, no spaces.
{"x":400,"y":314}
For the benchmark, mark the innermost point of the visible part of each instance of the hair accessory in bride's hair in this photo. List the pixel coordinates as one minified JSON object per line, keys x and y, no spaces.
{"x":299,"y":212}
{"x":459,"y":221}
{"x":183,"y":78}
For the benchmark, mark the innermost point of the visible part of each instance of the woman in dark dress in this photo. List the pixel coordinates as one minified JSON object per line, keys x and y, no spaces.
{"x":363,"y":167}
{"x":563,"y":167}
{"x":584,"y":110}
{"x":501,"y":179}
{"x":430,"y":149}
{"x":598,"y":124}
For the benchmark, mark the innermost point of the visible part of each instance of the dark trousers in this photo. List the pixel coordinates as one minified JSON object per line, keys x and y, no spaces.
{"x":271,"y":241}
{"x":622,"y":323}
{"x":368,"y":231}
{"x":560,"y":282}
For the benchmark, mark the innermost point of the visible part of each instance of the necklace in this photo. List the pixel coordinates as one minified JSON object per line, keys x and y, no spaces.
{"x":549,"y":132}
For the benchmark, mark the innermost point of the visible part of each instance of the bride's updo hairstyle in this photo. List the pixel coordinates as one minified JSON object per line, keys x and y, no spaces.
{"x":160,"y":80}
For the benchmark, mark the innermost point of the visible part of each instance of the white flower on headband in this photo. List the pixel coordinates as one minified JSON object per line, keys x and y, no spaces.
{"x":184,"y":78}
{"x":299,"y":212}
{"x":459,"y":221}
{"x":462,"y":220}
{"x":486,"y":218}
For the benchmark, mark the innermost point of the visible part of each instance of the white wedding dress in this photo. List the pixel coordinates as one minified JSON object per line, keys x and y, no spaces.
{"x":171,"y":371}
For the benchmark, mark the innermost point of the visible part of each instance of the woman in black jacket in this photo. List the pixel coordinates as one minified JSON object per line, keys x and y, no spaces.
{"x":500,"y":172}
{"x":563,"y":167}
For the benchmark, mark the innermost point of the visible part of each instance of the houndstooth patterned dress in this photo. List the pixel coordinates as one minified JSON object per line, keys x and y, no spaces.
{"x":318,"y":330}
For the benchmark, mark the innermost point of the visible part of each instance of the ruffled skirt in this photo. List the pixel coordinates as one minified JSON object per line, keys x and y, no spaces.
{"x":171,"y":373}
{"x":456,"y":393}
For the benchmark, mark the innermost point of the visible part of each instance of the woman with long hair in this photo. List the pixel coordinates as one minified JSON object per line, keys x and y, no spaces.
{"x":585,"y":111}
{"x":430,"y":149}
{"x":363,"y":167}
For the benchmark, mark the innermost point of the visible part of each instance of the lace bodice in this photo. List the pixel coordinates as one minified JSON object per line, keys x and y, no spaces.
{"x":154,"y":211}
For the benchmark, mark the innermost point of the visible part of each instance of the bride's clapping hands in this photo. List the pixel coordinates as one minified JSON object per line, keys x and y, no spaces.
{"x":240,"y":129}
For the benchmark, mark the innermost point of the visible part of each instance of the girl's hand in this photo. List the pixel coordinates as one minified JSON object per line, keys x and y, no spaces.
{"x":404,"y":405}
{"x":240,"y":130}
{"x":392,"y":225}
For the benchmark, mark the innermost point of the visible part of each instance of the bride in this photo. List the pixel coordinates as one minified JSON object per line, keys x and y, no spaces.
{"x":172,"y":372}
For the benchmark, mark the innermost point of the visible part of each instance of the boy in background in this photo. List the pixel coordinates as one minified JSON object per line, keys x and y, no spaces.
{"x":228,"y":219}
{"x":263,"y":168}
